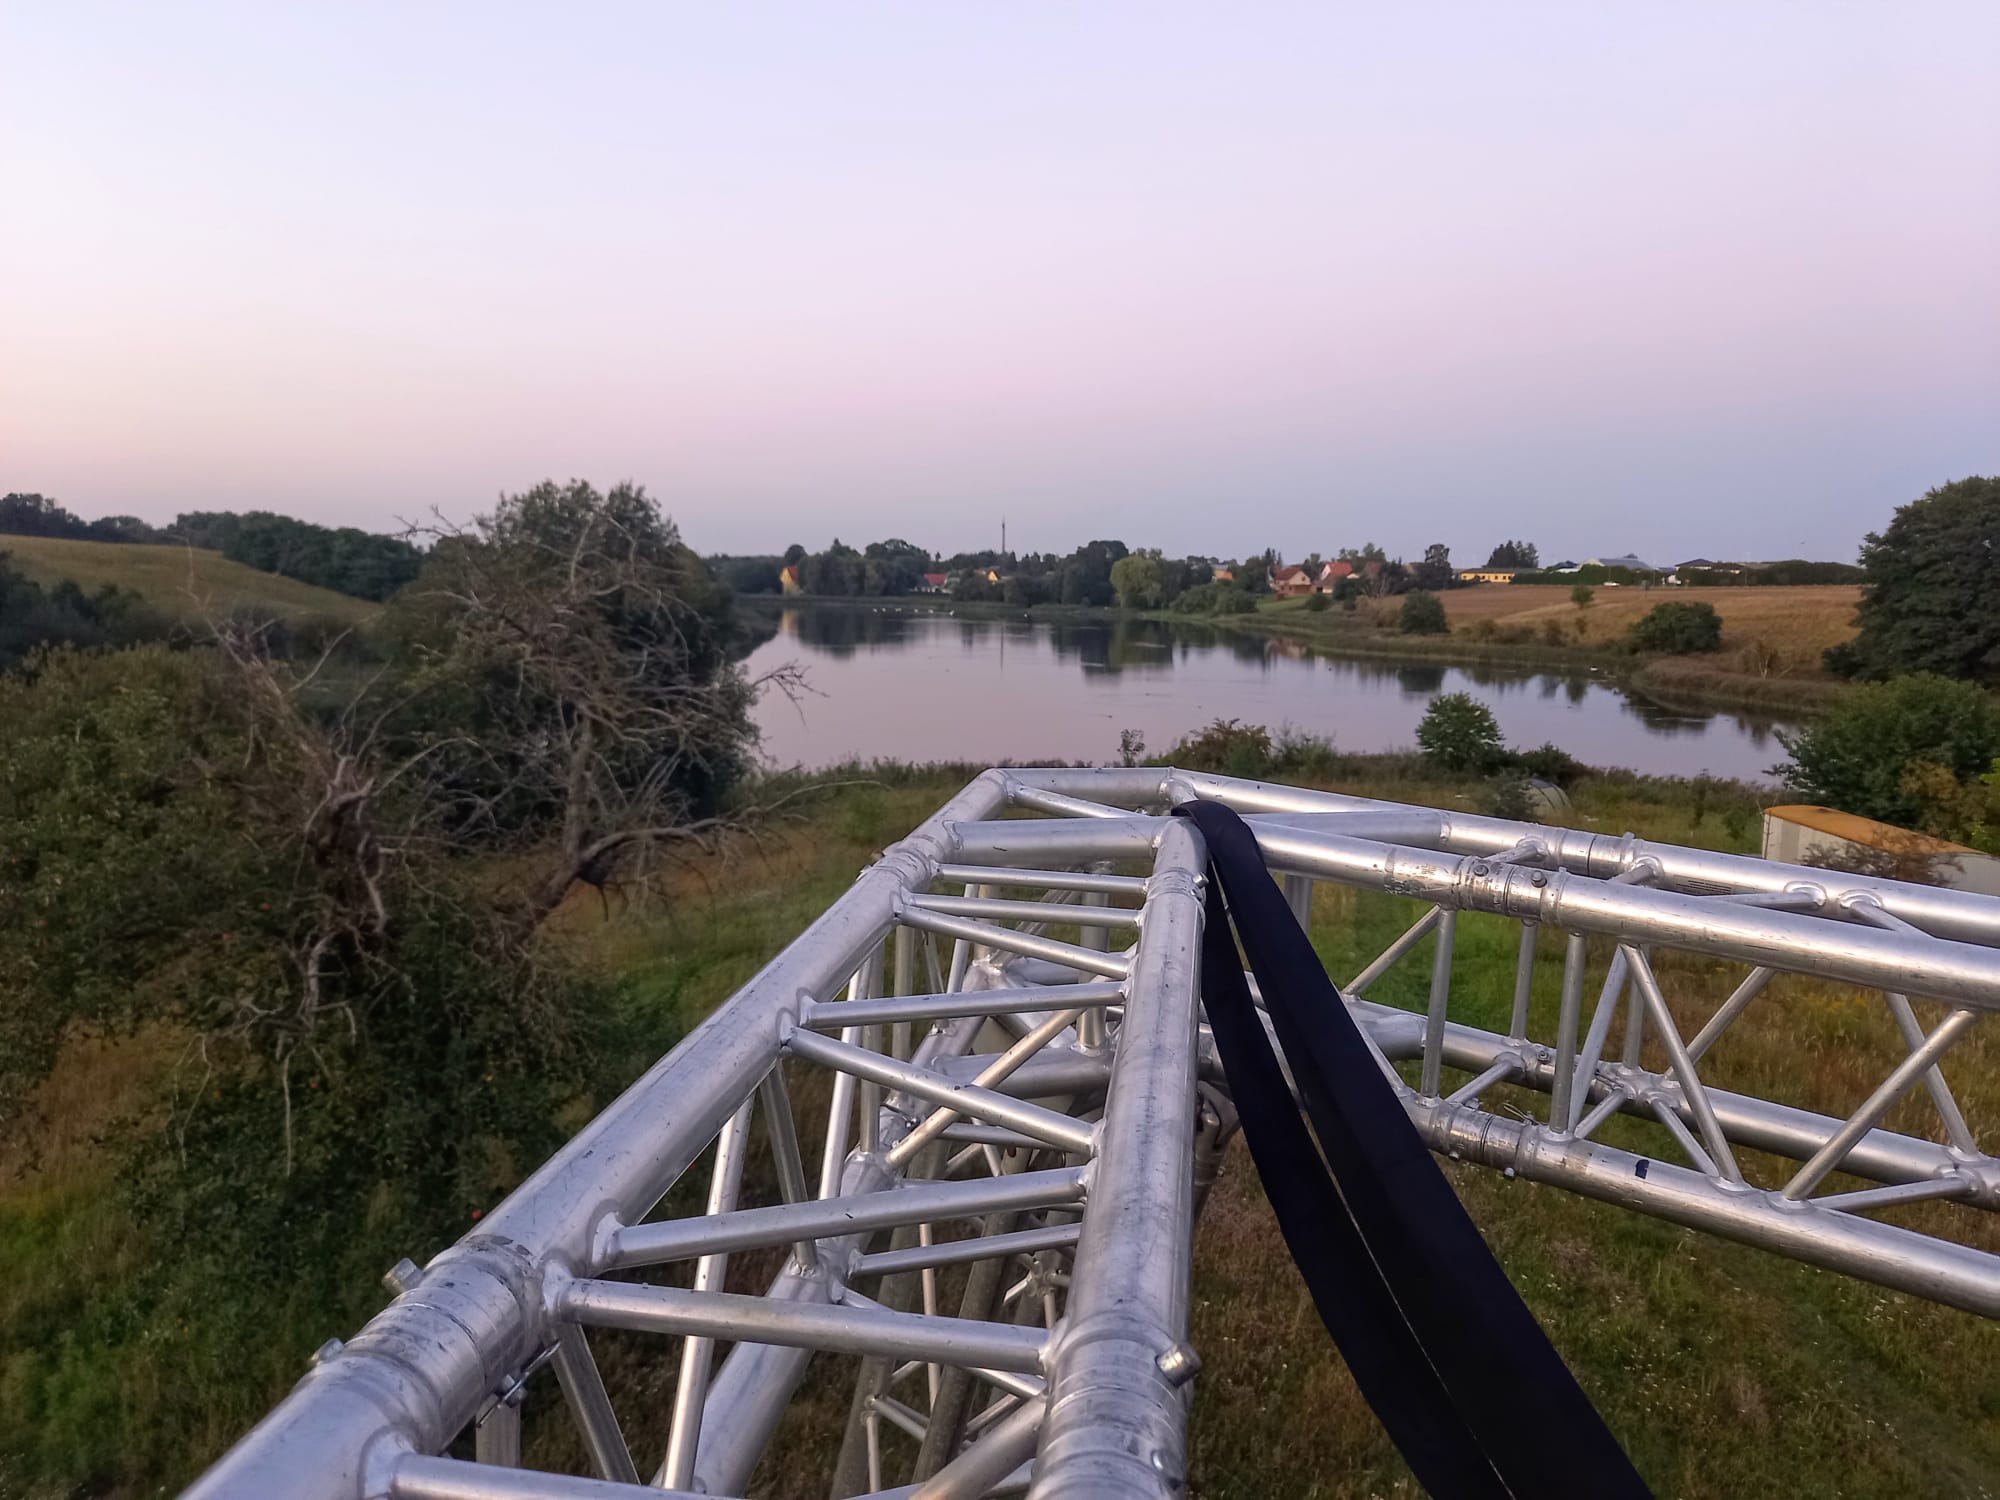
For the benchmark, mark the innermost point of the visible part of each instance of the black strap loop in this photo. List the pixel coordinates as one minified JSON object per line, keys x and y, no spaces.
{"x":1442,"y":1346}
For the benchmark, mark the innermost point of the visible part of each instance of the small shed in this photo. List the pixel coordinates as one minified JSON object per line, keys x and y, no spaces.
{"x":1801,"y":834}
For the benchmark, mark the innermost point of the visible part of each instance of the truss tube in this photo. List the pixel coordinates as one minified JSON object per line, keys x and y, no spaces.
{"x":841,"y":1329}
{"x":1781,"y":1129}
{"x":419,"y":1478}
{"x":1961,"y":915}
{"x":1965,"y":973}
{"x":1882,"y":1253}
{"x":1117,"y":1419}
{"x":910,"y":1203}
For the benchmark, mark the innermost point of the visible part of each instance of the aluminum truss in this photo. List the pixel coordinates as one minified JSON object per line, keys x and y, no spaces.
{"x":1028,"y":1121}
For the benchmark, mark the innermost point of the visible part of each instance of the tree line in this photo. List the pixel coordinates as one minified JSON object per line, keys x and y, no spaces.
{"x":364,"y":564}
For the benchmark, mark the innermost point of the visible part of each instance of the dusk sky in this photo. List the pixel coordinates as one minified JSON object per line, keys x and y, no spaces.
{"x":1666,"y":278}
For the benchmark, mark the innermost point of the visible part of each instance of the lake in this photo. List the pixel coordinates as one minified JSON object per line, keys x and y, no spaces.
{"x":920,"y":685}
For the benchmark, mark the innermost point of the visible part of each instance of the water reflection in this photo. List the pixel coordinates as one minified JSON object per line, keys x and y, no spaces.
{"x":921,"y":684}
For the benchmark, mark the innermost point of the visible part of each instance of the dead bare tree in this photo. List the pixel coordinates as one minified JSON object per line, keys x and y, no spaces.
{"x":585,"y":654}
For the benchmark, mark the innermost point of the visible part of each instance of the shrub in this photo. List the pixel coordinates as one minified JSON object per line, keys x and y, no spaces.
{"x":1317,"y":603}
{"x":1581,"y":595}
{"x":1227,"y":747}
{"x":1459,"y":733}
{"x":1508,"y":795}
{"x":1879,"y":749}
{"x":1550,"y":762}
{"x":1299,"y":756}
{"x":1215,"y":599}
{"x":1552,"y":632}
{"x":1679,"y":627}
{"x":1423,"y":614}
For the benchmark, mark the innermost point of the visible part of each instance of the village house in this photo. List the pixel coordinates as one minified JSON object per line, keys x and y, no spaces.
{"x":788,"y":579}
{"x":1487,"y":575}
{"x":1289,"y":580}
{"x":1331,"y":574}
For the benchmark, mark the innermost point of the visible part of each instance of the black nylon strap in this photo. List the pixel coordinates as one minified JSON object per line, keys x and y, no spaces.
{"x":1446,"y":1353}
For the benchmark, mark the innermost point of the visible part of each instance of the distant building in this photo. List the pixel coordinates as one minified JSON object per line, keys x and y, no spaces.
{"x":1626,"y":560}
{"x":936,"y":583}
{"x":1487,"y":575}
{"x":788,"y":580}
{"x":1222,"y":575}
{"x":1289,"y":580}
{"x":1331,"y":574}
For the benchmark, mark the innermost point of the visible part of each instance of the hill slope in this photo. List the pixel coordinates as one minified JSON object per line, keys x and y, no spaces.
{"x":184,"y":582}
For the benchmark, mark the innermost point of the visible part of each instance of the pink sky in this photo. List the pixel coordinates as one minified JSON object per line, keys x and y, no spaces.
{"x":1672,"y":279}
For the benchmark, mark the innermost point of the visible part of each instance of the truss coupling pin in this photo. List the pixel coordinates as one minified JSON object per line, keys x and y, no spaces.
{"x":1179,"y":1364}
{"x":403,"y":1276}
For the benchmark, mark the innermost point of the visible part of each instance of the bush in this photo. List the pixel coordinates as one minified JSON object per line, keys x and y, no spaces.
{"x":1679,"y":627}
{"x":1423,"y":614}
{"x":1227,"y":747}
{"x":1581,"y":595}
{"x":1881,"y":749}
{"x":1215,"y":599}
{"x":1509,"y":795}
{"x":1230,"y":748}
{"x":1549,"y":762}
{"x":1299,"y":756}
{"x":1459,"y":733}
{"x":1317,"y":603}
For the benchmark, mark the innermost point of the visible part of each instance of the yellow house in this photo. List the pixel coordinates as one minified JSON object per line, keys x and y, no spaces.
{"x":1487,"y":575}
{"x":788,"y":580}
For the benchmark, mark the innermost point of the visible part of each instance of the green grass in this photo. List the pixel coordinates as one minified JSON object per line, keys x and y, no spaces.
{"x":1725,"y":1371}
{"x":185,"y":583}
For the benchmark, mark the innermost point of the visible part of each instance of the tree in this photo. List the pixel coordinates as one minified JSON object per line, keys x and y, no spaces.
{"x":1880,"y":750}
{"x":1367,"y":552}
{"x":1459,"y":733}
{"x":1931,"y":600}
{"x":1581,"y":595}
{"x":37,"y":515}
{"x":1423,"y":614}
{"x":33,"y":618}
{"x":794,"y":555}
{"x":1679,"y":627}
{"x":1254,"y":572}
{"x":581,"y":700}
{"x":1137,"y":580}
{"x":836,"y":572}
{"x":1435,"y":571}
{"x":1520,"y":555}
{"x":748,"y":575}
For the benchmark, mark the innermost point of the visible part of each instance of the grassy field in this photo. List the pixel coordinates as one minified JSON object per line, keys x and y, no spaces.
{"x":1725,"y":1371}
{"x":182,"y":582}
{"x":1772,"y":638}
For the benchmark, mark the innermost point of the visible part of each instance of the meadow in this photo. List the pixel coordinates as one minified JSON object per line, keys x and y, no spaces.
{"x":1773,"y":639}
{"x":184,"y":583}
